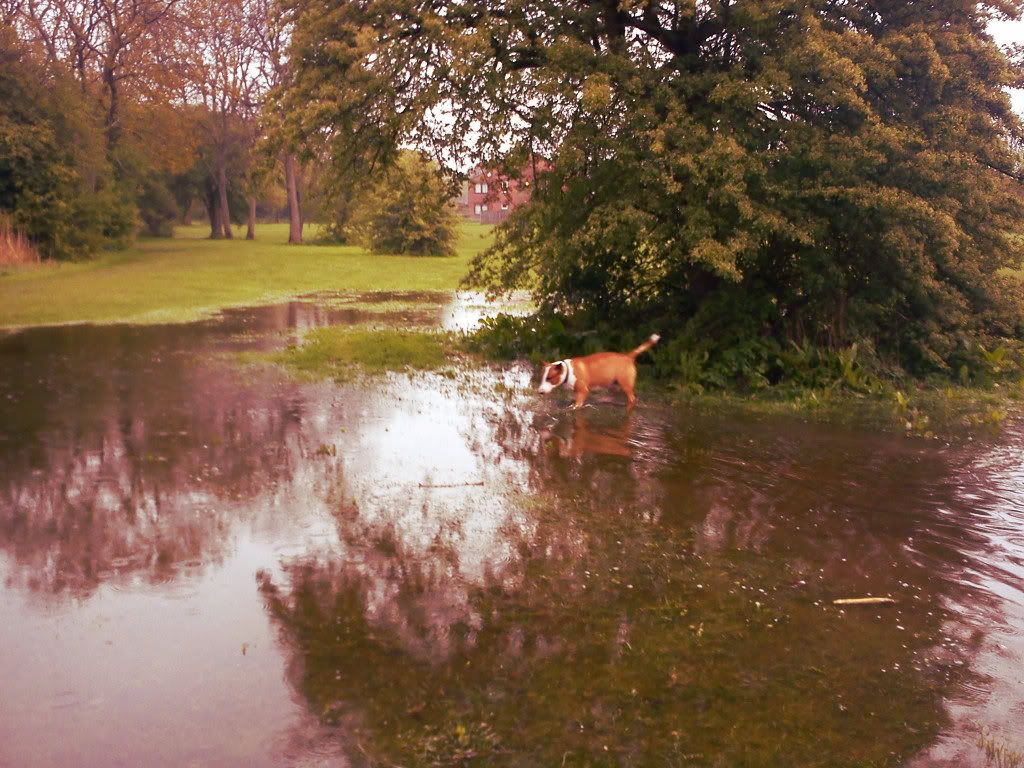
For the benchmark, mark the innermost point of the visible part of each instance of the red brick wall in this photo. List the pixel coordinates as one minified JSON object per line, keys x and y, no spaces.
{"x":491,"y":197}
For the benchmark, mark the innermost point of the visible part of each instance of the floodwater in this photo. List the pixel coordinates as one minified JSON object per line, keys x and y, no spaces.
{"x":204,"y":564}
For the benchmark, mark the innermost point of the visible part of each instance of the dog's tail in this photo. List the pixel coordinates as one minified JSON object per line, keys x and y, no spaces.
{"x":655,"y":338}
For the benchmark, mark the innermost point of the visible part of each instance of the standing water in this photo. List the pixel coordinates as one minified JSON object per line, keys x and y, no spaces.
{"x":203,"y":564}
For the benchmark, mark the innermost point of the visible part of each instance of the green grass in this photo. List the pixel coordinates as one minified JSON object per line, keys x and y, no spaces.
{"x":928,"y":410}
{"x":338,"y":352}
{"x":190,"y":277}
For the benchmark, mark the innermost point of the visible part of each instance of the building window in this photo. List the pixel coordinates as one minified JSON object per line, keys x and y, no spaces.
{"x":504,"y":206}
{"x":483,"y":208}
{"x":481,"y":188}
{"x":504,"y":186}
{"x":477,"y":209}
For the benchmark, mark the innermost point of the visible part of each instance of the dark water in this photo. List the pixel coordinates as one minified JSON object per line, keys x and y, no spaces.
{"x":207,"y":565}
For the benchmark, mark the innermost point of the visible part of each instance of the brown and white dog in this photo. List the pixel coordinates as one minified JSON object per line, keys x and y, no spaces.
{"x":602,"y":369}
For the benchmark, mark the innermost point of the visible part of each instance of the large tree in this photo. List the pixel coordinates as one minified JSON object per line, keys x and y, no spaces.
{"x":224,"y":79}
{"x":110,"y":45}
{"x":275,"y":32}
{"x":51,"y":150}
{"x":830,"y":170}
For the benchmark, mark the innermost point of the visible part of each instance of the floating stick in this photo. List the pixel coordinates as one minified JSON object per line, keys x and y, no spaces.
{"x":863,"y":601}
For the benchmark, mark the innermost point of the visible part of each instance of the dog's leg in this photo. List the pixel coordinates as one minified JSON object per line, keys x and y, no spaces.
{"x":627,"y":382}
{"x":630,"y":397}
{"x":581,"y":397}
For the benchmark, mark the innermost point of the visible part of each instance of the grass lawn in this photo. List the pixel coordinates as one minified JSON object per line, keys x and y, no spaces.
{"x":189,"y":276}
{"x":335,"y":351}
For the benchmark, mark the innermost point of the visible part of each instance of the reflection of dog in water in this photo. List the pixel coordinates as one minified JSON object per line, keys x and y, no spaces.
{"x":609,"y":441}
{"x":582,"y":374}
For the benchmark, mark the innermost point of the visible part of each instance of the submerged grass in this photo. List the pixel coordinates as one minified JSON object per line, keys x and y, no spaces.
{"x":761,"y":377}
{"x":189,"y":277}
{"x":998,"y":753}
{"x":339,"y":352}
{"x":925,"y":411}
{"x":615,"y":644}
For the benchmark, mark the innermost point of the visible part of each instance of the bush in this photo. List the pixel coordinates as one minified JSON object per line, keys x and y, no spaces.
{"x":743,"y":363}
{"x":158,"y":208}
{"x":52,"y":161}
{"x":409,"y":211}
{"x":15,"y":248}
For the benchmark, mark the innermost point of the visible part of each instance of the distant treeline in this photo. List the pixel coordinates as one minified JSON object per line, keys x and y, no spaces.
{"x":127,"y":116}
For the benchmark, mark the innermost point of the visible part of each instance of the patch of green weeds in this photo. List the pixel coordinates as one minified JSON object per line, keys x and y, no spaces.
{"x":339,"y":352}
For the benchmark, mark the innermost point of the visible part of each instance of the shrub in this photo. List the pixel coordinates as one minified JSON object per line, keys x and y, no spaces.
{"x":52,"y":161}
{"x":158,"y":208}
{"x":15,"y":248}
{"x":409,"y":211}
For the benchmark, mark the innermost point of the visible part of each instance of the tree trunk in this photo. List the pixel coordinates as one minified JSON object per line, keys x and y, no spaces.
{"x":300,"y":184}
{"x":112,"y":128}
{"x":294,"y":216}
{"x":213,"y":211}
{"x":222,"y":194}
{"x":80,"y":67}
{"x":250,"y":232}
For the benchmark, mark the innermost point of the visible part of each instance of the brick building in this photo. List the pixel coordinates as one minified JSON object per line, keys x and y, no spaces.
{"x":489,"y":197}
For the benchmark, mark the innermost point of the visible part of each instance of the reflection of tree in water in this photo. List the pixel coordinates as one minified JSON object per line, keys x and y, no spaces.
{"x":143,"y":462}
{"x":655,"y":586}
{"x":131,"y":499}
{"x":618,"y":623}
{"x":147,"y":466}
{"x":863,"y":511}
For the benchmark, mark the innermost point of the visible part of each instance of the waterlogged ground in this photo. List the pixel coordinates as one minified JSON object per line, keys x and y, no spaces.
{"x":208,"y":564}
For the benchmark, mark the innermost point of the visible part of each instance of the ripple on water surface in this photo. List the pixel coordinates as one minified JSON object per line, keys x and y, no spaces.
{"x":206,"y":565}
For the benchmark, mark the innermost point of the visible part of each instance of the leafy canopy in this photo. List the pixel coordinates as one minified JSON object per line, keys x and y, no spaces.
{"x":407,"y":210}
{"x":52,"y":160}
{"x":819,"y":171}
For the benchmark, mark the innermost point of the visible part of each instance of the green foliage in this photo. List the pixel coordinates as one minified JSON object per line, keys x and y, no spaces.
{"x":407,"y":211}
{"x":346,"y":215}
{"x":507,"y":337}
{"x":54,"y":180}
{"x":338,"y":352}
{"x":782,"y":375}
{"x":158,"y":208}
{"x":146,"y":187}
{"x":830,"y":172}
{"x":748,"y":363}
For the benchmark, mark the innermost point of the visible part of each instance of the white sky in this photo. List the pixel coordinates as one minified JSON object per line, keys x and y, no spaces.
{"x":1008,"y":33}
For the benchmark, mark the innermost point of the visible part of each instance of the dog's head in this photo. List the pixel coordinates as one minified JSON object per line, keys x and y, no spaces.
{"x":554,"y":375}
